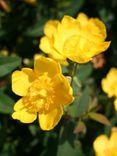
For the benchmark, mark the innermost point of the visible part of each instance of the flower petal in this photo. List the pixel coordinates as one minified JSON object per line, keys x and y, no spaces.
{"x":50,"y":27}
{"x":64,"y":93}
{"x":46,"y":65}
{"x":50,"y":120}
{"x":22,"y":114}
{"x":19,"y":105}
{"x":100,"y":144}
{"x":21,"y":80}
{"x":113,"y":139}
{"x":45,"y":44}
{"x":82,"y":18}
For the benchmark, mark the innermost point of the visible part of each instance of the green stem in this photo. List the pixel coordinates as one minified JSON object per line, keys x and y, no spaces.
{"x":73,"y":72}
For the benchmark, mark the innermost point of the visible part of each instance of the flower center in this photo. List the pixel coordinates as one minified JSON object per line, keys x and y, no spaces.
{"x":40,"y":96}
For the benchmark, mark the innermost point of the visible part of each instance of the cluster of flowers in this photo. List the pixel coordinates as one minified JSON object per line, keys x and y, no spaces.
{"x":45,"y":90}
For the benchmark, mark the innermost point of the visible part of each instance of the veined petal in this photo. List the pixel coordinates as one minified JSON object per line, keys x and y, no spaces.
{"x":64,"y":93}
{"x":50,"y":120}
{"x":100,"y":144}
{"x":21,"y":80}
{"x":46,"y":65}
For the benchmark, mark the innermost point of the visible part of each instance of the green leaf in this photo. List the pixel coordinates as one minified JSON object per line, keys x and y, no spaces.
{"x":84,"y":71}
{"x":68,"y":143}
{"x":70,"y":7}
{"x":83,"y":102}
{"x":79,"y":105}
{"x":7,"y":64}
{"x":37,"y":29}
{"x":99,"y":118}
{"x":6,"y":104}
{"x":67,"y":149}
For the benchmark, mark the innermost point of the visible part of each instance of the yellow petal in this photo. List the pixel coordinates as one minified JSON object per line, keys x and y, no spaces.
{"x":98,"y":27}
{"x":101,"y":144}
{"x":101,"y":47}
{"x":67,"y":28}
{"x":22,"y":114}
{"x":19,"y":105}
{"x":21,"y":80}
{"x":50,"y":27}
{"x":82,"y":18}
{"x":50,"y":120}
{"x":113,"y":139}
{"x":46,"y":65}
{"x":46,"y":45}
{"x":64,"y":93}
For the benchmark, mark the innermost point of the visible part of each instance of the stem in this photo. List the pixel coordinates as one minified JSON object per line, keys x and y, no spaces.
{"x":73,"y":72}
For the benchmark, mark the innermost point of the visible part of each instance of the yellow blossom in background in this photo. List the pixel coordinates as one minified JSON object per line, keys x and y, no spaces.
{"x":77,"y":39}
{"x":105,"y":146}
{"x":109,"y":83}
{"x":32,"y":2}
{"x":45,"y":92}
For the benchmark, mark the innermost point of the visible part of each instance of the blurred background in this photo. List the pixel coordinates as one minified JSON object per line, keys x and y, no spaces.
{"x":21,"y":27}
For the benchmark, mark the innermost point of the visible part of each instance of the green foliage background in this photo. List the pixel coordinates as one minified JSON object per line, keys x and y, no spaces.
{"x":20,"y":31}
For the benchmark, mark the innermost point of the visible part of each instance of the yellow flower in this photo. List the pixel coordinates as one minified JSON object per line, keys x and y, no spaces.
{"x":32,"y":2}
{"x":109,"y":84}
{"x":105,"y":146}
{"x":45,"y":92}
{"x":77,"y":39}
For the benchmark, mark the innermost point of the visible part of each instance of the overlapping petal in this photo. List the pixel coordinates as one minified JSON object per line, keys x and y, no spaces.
{"x":21,"y":80}
{"x":45,"y":91}
{"x":78,"y":39}
{"x":46,"y":65}
{"x":22,"y":114}
{"x":50,"y":120}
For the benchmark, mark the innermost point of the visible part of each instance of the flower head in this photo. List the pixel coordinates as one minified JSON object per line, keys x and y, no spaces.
{"x":109,"y":83}
{"x":77,"y":39}
{"x":45,"y":92}
{"x":105,"y":146}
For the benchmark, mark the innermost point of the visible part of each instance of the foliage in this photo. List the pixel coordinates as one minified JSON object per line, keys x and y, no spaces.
{"x":92,"y":112}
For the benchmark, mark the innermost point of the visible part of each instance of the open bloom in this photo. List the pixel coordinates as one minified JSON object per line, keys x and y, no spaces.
{"x":105,"y":146}
{"x":77,"y":39}
{"x":45,"y":92}
{"x":109,"y":83}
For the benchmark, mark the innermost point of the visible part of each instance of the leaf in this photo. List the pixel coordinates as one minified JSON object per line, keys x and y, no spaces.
{"x":83,"y":102}
{"x":67,"y":149}
{"x":7,"y":64}
{"x":68,"y":143}
{"x":80,"y":105}
{"x":84,"y":71}
{"x":6,"y":104}
{"x":70,"y":7}
{"x":37,"y":29}
{"x":99,"y":118}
